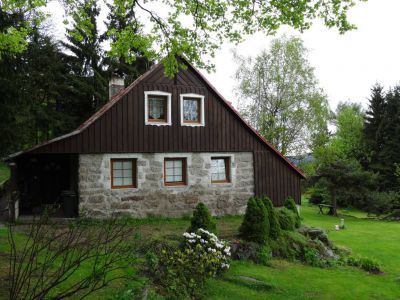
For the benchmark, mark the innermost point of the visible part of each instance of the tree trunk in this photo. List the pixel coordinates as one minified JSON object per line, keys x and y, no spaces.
{"x":334,"y":203}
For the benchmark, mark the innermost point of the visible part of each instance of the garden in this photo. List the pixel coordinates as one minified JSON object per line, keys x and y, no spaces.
{"x":265,"y":254}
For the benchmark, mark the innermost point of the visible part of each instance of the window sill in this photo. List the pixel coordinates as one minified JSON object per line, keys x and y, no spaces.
{"x":193,"y":124}
{"x":158,"y":123}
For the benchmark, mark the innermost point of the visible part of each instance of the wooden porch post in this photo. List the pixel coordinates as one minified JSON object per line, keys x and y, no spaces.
{"x":13,"y":200}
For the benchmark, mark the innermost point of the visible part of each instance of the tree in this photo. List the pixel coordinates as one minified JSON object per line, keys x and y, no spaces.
{"x":196,"y":29}
{"x":86,"y":59}
{"x":255,"y":225}
{"x":202,"y":219}
{"x":338,"y":167}
{"x":283,"y":101}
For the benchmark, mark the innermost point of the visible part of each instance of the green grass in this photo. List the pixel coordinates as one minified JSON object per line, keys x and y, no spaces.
{"x":4,"y":172}
{"x":283,"y":279}
{"x":365,"y":237}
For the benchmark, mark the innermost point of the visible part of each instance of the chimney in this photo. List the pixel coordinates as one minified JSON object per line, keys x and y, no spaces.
{"x":116,"y":84}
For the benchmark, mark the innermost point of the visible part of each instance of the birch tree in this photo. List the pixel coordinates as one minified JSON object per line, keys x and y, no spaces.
{"x":279,"y":95}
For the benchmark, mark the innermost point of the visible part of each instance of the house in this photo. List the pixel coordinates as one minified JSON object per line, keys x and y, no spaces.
{"x":158,"y":147}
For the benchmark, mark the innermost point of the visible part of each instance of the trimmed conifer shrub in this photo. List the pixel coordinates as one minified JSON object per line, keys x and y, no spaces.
{"x":255,"y":225}
{"x":287,"y":219}
{"x":291,"y":205}
{"x":202,"y":219}
{"x":274,"y":227}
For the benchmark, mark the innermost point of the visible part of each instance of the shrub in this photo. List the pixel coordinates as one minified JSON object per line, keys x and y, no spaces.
{"x":255,"y":252}
{"x":291,"y":205}
{"x":383,"y":202}
{"x":182,"y":273}
{"x":365,"y":263}
{"x":255,"y":225}
{"x":202,"y":219}
{"x":274,"y":227}
{"x":287,"y":219}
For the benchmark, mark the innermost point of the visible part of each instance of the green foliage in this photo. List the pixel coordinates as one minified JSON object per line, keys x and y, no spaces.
{"x":291,"y":205}
{"x":202,"y":219}
{"x":287,"y":219}
{"x":274,"y":227}
{"x":383,"y":202}
{"x":255,"y":252}
{"x":365,"y":263}
{"x":255,"y":225}
{"x":182,"y":272}
{"x":318,"y":194}
{"x":292,"y":122}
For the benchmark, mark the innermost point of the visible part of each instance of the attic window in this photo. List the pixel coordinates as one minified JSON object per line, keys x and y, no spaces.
{"x":157,"y":108}
{"x":192,"y":110}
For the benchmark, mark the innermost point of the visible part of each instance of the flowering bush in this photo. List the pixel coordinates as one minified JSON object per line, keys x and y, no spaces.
{"x":183,"y":272}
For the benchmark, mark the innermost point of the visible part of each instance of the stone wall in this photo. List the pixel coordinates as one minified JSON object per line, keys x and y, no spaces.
{"x":152,"y":198}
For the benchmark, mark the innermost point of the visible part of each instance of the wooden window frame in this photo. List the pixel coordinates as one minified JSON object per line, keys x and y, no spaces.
{"x":227,"y":160}
{"x":134,"y":173}
{"x":157,"y":94}
{"x":184,"y":172}
{"x":200,"y":99}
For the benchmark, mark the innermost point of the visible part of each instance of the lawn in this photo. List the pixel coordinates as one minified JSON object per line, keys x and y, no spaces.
{"x":4,"y":172}
{"x":288,"y":280}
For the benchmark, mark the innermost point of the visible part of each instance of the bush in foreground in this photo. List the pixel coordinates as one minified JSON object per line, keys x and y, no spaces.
{"x":182,"y":273}
{"x":287,"y":220}
{"x":202,"y":219}
{"x":291,"y":205}
{"x":255,"y":225}
{"x":274,"y":227}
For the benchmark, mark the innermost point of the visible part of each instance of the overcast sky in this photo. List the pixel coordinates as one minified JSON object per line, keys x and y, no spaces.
{"x":346,"y":65}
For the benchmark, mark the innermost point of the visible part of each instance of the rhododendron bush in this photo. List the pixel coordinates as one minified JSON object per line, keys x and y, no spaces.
{"x":182,"y":272}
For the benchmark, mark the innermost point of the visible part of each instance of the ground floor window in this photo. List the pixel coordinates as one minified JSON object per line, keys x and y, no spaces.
{"x":175,"y":171}
{"x":220,"y":169}
{"x":123,"y":173}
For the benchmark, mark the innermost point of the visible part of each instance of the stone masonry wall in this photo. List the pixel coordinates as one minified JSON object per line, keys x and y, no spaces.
{"x":152,"y":198}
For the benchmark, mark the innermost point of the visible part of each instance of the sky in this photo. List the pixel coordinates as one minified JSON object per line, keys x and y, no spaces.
{"x":347,"y":66}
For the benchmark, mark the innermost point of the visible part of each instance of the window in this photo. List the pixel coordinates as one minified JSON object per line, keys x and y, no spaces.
{"x":175,"y":171}
{"x":157,"y":108}
{"x":192,"y":110}
{"x":123,"y":173}
{"x":220,"y":169}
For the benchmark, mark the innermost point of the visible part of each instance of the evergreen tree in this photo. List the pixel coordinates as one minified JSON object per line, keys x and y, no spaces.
{"x":274,"y":227}
{"x":291,"y":205}
{"x":373,"y":128}
{"x":88,"y":78}
{"x":390,"y":153}
{"x":202,"y":219}
{"x":255,"y":225}
{"x":118,"y":21}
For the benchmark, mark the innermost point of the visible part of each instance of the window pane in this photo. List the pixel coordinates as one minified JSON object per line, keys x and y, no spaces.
{"x":178,"y":178}
{"x":127,"y":181}
{"x":127,"y":165}
{"x":169,"y":179}
{"x":174,"y":170}
{"x":117,"y":165}
{"x":169,"y":172}
{"x":118,"y":181}
{"x":117,"y":173}
{"x":177,"y":164}
{"x":169,"y":164}
{"x":218,"y":169}
{"x":191,"y":110}
{"x":128,"y":173}
{"x":157,"y":107}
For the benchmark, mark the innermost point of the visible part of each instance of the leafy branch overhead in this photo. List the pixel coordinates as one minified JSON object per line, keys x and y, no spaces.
{"x":165,"y":29}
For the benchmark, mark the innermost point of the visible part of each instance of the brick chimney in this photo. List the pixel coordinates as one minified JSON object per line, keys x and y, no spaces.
{"x":115,"y":85}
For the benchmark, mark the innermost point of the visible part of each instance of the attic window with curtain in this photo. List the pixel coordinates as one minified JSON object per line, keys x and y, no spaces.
{"x":157,"y":108}
{"x":192,"y":110}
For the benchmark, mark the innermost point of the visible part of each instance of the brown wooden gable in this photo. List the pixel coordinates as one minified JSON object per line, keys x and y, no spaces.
{"x":119,"y":127}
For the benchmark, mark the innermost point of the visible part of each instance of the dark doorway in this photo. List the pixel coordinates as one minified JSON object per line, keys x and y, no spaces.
{"x":48,"y":182}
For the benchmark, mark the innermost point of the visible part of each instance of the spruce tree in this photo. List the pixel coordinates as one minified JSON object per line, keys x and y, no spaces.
{"x":202,"y":219}
{"x":373,"y":127}
{"x":291,"y":205}
{"x":255,"y":225}
{"x":274,"y":228}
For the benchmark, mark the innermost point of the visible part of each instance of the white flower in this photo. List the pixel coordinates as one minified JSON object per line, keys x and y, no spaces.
{"x":227,"y":250}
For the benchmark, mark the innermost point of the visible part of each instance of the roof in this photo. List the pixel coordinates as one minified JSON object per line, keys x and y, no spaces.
{"x":119,"y":96}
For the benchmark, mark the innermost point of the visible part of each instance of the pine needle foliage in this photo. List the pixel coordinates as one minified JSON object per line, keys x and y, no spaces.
{"x":255,"y":226}
{"x":202,"y":219}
